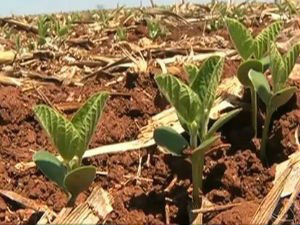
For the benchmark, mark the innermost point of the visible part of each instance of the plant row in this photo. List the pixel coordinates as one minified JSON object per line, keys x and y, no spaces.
{"x":192,"y":100}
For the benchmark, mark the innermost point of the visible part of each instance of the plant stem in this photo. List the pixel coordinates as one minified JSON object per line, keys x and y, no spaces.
{"x":254,"y":110}
{"x":264,"y":139}
{"x":71,"y":200}
{"x":193,"y":139}
{"x":196,"y":169}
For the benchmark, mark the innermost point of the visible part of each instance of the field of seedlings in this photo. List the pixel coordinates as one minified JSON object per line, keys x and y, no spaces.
{"x":182,"y":114}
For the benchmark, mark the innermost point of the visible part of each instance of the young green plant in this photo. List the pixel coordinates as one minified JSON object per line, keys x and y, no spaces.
{"x":221,"y":10}
{"x":254,"y":53}
{"x":43,"y":25}
{"x":193,"y":103}
{"x":121,"y":34}
{"x":281,"y":67}
{"x":61,"y":29}
{"x":71,"y":138}
{"x":155,"y":29}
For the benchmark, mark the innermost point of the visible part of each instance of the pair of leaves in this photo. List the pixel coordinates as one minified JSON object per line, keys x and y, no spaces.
{"x":155,"y":29}
{"x":74,"y":182}
{"x":192,"y":102}
{"x":175,"y":143}
{"x":282,"y":66}
{"x":205,"y":85}
{"x":180,"y":96}
{"x":262,"y":88}
{"x":72,"y":137}
{"x":246,"y":45}
{"x":168,"y":138}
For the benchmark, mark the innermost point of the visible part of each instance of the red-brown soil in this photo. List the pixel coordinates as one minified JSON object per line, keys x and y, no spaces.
{"x":231,"y":175}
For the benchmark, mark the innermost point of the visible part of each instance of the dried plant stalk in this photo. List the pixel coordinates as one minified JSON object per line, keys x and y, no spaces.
{"x":288,"y":205}
{"x":268,"y":205}
{"x":96,"y":207}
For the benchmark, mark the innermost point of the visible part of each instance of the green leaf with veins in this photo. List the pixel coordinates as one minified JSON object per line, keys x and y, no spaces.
{"x":205,"y":85}
{"x":246,"y":45}
{"x":192,"y":72}
{"x":277,"y":68}
{"x":86,"y":119}
{"x":181,"y":96}
{"x":241,"y":38}
{"x":281,"y":66}
{"x":265,"y":37}
{"x":290,"y":59}
{"x":61,"y":131}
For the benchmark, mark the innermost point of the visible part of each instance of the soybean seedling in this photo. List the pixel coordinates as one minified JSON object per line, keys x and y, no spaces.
{"x":61,"y":29}
{"x":281,"y":67}
{"x":121,"y":34}
{"x":71,"y":138}
{"x":43,"y":25}
{"x":155,"y":29}
{"x":254,"y":53}
{"x":193,"y":103}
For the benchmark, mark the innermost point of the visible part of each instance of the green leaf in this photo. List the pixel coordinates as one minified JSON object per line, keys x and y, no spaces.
{"x":79,"y":179}
{"x":265,"y":61}
{"x":61,"y":131}
{"x":206,"y":82}
{"x":277,"y":68}
{"x":292,"y":7}
{"x":281,"y":97}
{"x":290,"y":59}
{"x":265,"y":37}
{"x":282,"y":66}
{"x":155,"y":29}
{"x":168,"y":138}
{"x":245,"y":67}
{"x":241,"y":38}
{"x":181,"y":96}
{"x":86,"y":119}
{"x":208,"y":74}
{"x":261,"y":85}
{"x":205,"y":145}
{"x":50,"y":166}
{"x":221,"y":121}
{"x":183,"y":123}
{"x":192,"y":72}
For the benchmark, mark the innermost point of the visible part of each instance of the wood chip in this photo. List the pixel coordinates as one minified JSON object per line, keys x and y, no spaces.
{"x":216,"y":208}
{"x":10,"y":80}
{"x":24,"y":202}
{"x":20,"y":25}
{"x":7,"y":57}
{"x":265,"y":211}
{"x":96,"y":207}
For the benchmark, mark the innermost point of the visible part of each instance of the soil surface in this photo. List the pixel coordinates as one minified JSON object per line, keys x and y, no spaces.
{"x":232,"y":175}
